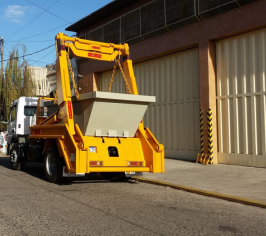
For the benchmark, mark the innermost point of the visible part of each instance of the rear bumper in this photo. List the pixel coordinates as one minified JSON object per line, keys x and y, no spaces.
{"x":119,"y":169}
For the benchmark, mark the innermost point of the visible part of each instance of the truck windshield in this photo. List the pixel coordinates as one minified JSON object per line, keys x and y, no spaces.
{"x":29,"y":110}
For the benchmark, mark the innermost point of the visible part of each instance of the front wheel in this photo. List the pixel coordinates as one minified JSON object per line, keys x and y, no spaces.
{"x":53,"y":166}
{"x":16,"y":163}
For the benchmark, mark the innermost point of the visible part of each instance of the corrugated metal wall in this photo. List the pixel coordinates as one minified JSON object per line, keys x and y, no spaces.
{"x":174,"y":118}
{"x":241,"y":68}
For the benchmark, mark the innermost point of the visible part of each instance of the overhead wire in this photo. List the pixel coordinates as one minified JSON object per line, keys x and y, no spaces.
{"x":38,"y":61}
{"x":32,"y":20}
{"x":43,"y":57}
{"x":20,"y":40}
{"x":29,"y":54}
{"x":40,"y":41}
{"x":32,"y":36}
{"x":48,"y":11}
{"x":7,"y":49}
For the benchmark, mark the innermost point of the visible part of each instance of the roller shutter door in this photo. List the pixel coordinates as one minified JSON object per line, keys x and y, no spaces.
{"x":174,"y":118}
{"x":241,"y":68}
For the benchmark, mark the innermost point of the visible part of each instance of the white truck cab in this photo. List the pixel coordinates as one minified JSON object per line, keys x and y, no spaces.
{"x":22,"y":115}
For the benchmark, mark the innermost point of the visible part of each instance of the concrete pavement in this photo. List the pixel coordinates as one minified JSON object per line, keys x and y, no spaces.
{"x":31,"y":206}
{"x":239,"y":181}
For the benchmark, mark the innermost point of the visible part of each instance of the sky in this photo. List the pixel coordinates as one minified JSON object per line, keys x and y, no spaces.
{"x":34,"y":23}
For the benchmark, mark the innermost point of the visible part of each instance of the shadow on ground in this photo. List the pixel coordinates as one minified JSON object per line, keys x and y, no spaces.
{"x":33,"y":169}
{"x":36,"y":170}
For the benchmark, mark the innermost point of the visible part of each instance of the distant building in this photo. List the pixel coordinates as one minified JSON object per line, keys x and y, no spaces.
{"x":38,"y":74}
{"x":51,"y":77}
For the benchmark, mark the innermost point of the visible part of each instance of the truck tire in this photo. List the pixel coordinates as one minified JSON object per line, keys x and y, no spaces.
{"x":53,"y":165}
{"x":7,"y":149}
{"x":16,"y":164}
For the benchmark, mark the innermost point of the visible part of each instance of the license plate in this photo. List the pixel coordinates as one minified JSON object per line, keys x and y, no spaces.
{"x":129,"y":174}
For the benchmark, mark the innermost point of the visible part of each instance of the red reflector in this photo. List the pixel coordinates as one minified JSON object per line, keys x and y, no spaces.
{"x":95,"y":55}
{"x":134,"y":163}
{"x":94,"y":47}
{"x":63,"y":47}
{"x":141,"y":121}
{"x":96,"y":163}
{"x":69,"y":110}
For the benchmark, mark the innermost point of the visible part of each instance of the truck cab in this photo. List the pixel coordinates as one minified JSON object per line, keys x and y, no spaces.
{"x":22,"y":115}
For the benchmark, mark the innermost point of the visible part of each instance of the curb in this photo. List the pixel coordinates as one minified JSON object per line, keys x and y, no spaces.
{"x":245,"y":201}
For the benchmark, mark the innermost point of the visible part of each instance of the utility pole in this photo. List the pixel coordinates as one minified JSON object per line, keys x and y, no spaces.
{"x":2,"y":62}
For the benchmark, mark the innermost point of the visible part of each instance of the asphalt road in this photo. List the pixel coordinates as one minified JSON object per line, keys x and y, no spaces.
{"x":31,"y":206}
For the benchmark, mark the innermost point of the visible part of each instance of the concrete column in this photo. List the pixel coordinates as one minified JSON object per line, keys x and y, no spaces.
{"x":96,"y":81}
{"x":207,"y":83}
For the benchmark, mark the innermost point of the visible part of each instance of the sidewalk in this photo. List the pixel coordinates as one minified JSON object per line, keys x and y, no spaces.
{"x":239,"y":181}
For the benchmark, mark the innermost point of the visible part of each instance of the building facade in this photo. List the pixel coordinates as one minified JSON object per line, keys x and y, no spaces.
{"x":51,"y":77}
{"x":38,"y":74}
{"x":193,"y":55}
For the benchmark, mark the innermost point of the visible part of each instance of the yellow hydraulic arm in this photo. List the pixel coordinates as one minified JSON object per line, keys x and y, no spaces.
{"x":139,"y":153}
{"x":86,"y":49}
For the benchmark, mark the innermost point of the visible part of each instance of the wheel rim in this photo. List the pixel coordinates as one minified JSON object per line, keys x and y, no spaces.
{"x":14,"y":156}
{"x":50,"y":164}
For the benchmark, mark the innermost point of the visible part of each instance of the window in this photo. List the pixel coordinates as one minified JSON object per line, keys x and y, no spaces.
{"x":130,"y":25}
{"x":152,"y":17}
{"x":29,"y":110}
{"x":179,"y":10}
{"x":208,"y":8}
{"x":95,"y":35}
{"x":13,"y":113}
{"x":111,"y":32}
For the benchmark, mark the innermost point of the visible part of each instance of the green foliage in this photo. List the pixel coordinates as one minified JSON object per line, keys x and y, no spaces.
{"x":17,"y":80}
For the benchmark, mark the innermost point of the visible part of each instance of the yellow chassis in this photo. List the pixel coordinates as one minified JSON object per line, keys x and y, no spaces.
{"x":143,"y":149}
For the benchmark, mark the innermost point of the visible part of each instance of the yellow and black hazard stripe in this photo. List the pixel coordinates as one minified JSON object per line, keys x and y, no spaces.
{"x":210,"y":139}
{"x":201,"y":132}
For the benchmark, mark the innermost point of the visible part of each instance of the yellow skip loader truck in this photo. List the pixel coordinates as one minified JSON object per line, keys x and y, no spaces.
{"x":98,"y":132}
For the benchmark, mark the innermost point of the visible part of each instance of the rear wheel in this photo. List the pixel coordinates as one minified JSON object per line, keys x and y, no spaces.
{"x":53,"y":166}
{"x":16,"y":163}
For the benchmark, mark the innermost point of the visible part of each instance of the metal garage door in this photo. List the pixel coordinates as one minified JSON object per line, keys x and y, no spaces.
{"x":241,"y":68}
{"x":174,"y":118}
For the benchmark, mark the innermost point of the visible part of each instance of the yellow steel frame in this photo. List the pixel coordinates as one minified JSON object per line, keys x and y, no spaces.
{"x":72,"y":144}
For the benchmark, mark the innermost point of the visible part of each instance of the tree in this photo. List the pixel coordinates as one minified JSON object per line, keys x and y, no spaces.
{"x":17,"y":80}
